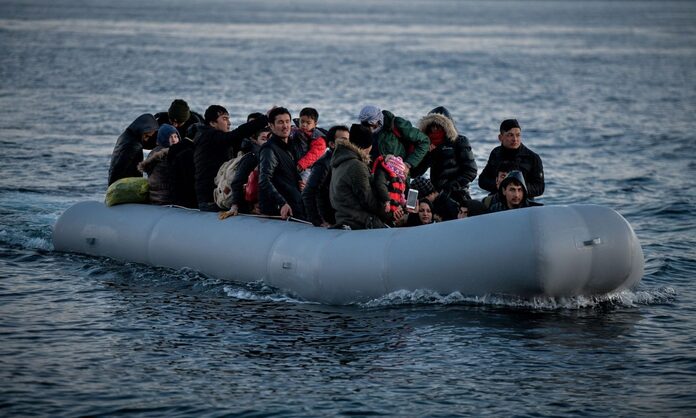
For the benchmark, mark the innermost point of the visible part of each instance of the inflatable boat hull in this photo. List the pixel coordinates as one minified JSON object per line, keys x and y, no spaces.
{"x":554,"y":251}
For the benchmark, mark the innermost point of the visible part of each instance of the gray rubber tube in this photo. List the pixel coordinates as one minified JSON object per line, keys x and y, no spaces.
{"x":552,"y":251}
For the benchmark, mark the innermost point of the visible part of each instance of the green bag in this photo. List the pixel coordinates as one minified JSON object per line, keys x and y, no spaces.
{"x":128,"y":190}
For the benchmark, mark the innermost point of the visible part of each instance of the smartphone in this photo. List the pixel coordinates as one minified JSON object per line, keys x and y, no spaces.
{"x":412,"y":199}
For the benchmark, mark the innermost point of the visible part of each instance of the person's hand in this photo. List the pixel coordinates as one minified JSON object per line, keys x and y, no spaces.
{"x":432,"y":147}
{"x":234,"y":210}
{"x":301,"y":184}
{"x":285,"y":211}
{"x":398,"y":213}
{"x":387,"y":206}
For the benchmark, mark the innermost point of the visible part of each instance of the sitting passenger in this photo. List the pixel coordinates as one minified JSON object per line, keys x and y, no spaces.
{"x":471,"y":208}
{"x":501,"y":172}
{"x":424,"y":216}
{"x":451,"y":160}
{"x":444,"y":208}
{"x":389,"y":183}
{"x":214,"y":144}
{"x":315,"y":195}
{"x":351,"y":192}
{"x":279,"y":181}
{"x":179,"y":116}
{"x":308,"y":143}
{"x":246,"y":166}
{"x":128,"y":152}
{"x":156,"y":165}
{"x":512,"y":194}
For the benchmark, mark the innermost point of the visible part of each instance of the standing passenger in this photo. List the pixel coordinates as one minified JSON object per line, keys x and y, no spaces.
{"x":394,"y":135}
{"x":512,"y":149}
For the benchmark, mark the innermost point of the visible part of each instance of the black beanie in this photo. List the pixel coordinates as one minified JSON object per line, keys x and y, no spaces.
{"x":179,"y":111}
{"x":508,"y":124}
{"x":360,"y":136}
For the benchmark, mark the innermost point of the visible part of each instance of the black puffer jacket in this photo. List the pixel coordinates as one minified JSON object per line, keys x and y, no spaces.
{"x":526,"y":160}
{"x":213,"y":148}
{"x":128,"y":152}
{"x":351,"y":190}
{"x":278,"y":179}
{"x":315,"y":195}
{"x":452,"y":163}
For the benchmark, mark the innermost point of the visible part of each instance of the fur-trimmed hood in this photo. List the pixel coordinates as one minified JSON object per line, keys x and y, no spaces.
{"x":153,"y":158}
{"x":341,"y":155}
{"x":440,"y":116}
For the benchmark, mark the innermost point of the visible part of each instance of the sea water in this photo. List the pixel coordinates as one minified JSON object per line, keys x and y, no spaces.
{"x":605,"y":92}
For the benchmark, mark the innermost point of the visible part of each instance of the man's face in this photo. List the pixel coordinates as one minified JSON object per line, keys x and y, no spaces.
{"x":307,"y":123}
{"x":513,"y":193}
{"x":511,"y":139}
{"x":222,"y":123}
{"x":340,"y":136}
{"x":281,"y":126}
{"x":262,"y":138}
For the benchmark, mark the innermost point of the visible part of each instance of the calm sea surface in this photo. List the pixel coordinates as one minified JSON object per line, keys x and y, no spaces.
{"x":605,"y":92}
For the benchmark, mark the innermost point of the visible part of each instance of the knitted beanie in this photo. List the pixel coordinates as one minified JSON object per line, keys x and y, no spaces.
{"x":179,"y":111}
{"x":360,"y":136}
{"x":423,"y":185}
{"x":396,"y":164}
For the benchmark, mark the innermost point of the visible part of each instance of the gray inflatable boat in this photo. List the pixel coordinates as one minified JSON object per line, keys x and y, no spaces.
{"x":555,"y":251}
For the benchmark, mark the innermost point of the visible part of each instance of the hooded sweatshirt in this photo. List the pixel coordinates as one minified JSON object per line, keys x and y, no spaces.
{"x":128,"y":152}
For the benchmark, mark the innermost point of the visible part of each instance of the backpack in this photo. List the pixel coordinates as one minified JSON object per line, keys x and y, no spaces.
{"x":251,"y":188}
{"x":223,"y":180}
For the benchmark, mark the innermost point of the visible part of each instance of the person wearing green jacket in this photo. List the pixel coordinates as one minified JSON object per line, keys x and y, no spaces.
{"x":393,"y":135}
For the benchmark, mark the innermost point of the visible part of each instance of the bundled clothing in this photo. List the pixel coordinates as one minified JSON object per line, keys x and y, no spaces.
{"x":248,"y":163}
{"x":213,"y":148}
{"x":525,"y":159}
{"x":389,"y":181}
{"x":128,"y":152}
{"x":183,"y":172}
{"x":452,"y":163}
{"x":278,"y":178}
{"x":315,"y":195}
{"x":398,"y":137}
{"x":351,"y":192}
{"x":159,"y":173}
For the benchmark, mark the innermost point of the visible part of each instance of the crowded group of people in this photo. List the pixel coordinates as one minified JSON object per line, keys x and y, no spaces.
{"x":356,"y":177}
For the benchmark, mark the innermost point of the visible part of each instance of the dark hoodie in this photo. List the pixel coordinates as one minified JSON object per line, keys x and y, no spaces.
{"x":499,"y":203}
{"x":128,"y":152}
{"x":452,"y":163}
{"x":524,"y":158}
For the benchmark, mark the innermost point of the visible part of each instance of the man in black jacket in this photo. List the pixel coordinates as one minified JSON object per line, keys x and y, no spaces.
{"x":279,"y":181}
{"x":315,"y":195}
{"x":512,"y":149}
{"x":180,"y":116}
{"x":128,"y":152}
{"x":214,"y":144}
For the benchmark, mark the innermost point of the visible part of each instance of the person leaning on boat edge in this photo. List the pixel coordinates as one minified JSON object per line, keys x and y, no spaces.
{"x":214,"y":144}
{"x":128,"y":151}
{"x":512,"y":149}
{"x":351,"y":195}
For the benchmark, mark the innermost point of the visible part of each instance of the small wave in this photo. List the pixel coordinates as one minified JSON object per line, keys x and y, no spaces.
{"x":258,"y":291}
{"x":624,"y":298}
{"x":25,"y":242}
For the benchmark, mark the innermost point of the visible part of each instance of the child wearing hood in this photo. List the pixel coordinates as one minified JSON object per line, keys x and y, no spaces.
{"x":159,"y":174}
